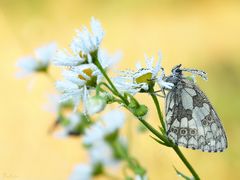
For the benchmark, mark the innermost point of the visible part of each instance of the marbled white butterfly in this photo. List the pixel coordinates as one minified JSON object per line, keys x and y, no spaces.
{"x":191,"y":120}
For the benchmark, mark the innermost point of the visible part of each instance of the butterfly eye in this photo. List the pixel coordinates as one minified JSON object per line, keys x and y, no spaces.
{"x":176,"y":69}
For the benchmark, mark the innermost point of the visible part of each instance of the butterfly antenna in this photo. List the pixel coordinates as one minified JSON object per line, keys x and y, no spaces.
{"x":200,"y":73}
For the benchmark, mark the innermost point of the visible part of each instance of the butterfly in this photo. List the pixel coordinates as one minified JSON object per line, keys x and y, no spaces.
{"x":191,"y":120}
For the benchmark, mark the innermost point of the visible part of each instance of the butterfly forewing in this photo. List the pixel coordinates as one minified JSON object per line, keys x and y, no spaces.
{"x":191,"y":120}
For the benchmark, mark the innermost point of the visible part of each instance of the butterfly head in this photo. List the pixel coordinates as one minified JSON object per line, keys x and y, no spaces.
{"x":176,"y":71}
{"x":176,"y":75}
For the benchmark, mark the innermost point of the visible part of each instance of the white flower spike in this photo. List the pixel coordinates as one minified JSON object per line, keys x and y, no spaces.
{"x":82,"y":171}
{"x":101,"y":152}
{"x":78,"y":83}
{"x":86,"y":41}
{"x":74,"y":119}
{"x":39,"y":62}
{"x":104,"y":127}
{"x":64,"y":58}
{"x":70,"y":91}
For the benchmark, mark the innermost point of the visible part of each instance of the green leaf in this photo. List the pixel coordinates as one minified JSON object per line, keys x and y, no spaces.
{"x":159,"y":141}
{"x":98,"y":169}
{"x":182,"y":175}
{"x":110,"y":138}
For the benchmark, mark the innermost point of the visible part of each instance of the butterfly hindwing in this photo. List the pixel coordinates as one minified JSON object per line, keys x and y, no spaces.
{"x":191,"y":120}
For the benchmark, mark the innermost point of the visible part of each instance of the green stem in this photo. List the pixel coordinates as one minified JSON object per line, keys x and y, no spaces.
{"x":133,"y":164}
{"x":97,"y":63}
{"x":185,"y":161}
{"x":153,"y":130}
{"x":155,"y":100}
{"x":175,"y":147}
{"x":147,"y":125}
{"x":122,"y":152}
{"x":98,"y":88}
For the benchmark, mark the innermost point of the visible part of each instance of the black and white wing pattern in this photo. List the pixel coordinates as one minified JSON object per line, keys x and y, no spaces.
{"x":191,"y":120}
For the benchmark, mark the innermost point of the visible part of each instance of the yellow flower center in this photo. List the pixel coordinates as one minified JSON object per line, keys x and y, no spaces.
{"x":144,"y":78}
{"x":88,"y":72}
{"x":81,"y":54}
{"x":92,"y":81}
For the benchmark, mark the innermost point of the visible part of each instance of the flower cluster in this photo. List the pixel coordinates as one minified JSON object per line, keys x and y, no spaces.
{"x":81,"y":75}
{"x":143,"y":78}
{"x":101,"y":140}
{"x":86,"y":89}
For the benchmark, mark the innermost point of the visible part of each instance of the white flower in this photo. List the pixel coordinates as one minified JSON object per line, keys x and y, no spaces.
{"x":78,"y":84}
{"x":109,"y":123}
{"x":138,"y":177}
{"x":161,"y":82}
{"x":74,"y":120}
{"x":108,"y":60}
{"x":133,"y":82}
{"x":101,"y":152}
{"x":93,"y":134}
{"x":126,"y":84}
{"x":45,"y":53}
{"x":88,"y":73}
{"x":86,"y":41}
{"x":113,"y":121}
{"x":64,"y":58}
{"x":82,"y":172}
{"x":82,"y":75}
{"x":164,"y":84}
{"x":39,"y":62}
{"x":70,"y":91}
{"x":81,"y":80}
{"x":82,"y":45}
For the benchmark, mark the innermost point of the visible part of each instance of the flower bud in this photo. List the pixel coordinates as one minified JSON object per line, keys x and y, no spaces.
{"x":133,"y":104}
{"x":95,"y":104}
{"x":140,"y":111}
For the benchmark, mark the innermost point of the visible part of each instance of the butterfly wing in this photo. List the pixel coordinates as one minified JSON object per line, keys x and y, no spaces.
{"x":191,"y":120}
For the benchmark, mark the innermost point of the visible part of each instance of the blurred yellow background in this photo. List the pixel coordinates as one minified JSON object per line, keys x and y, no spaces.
{"x":200,"y":34}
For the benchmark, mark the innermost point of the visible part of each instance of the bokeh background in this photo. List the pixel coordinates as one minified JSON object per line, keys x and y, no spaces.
{"x":201,"y":34}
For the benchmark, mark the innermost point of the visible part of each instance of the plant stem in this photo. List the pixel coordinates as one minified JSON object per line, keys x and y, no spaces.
{"x":147,"y":125}
{"x":185,"y":161}
{"x":97,"y":63}
{"x":152,"y":129}
{"x":175,"y":147}
{"x":155,"y":100}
